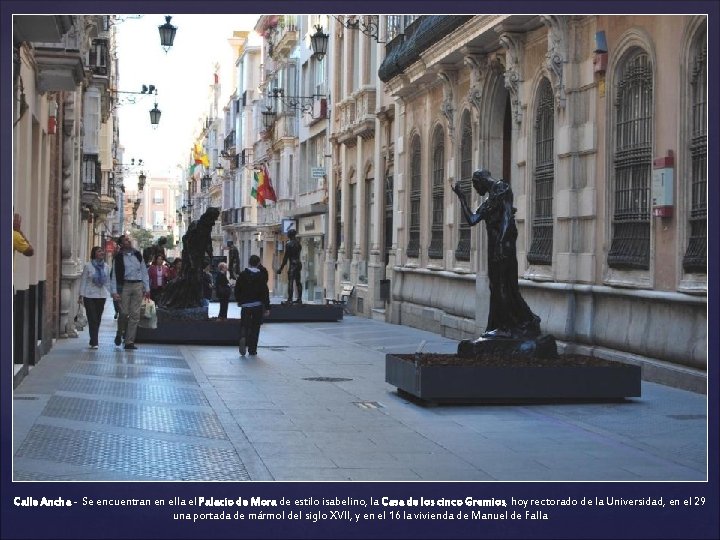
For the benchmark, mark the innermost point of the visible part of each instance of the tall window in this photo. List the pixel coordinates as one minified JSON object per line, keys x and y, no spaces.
{"x":435,"y":251}
{"x":413,"y":247}
{"x":540,"y":251}
{"x":369,"y":204}
{"x":388,"y":214}
{"x":695,"y":259}
{"x":630,"y":246}
{"x":350,"y":240}
{"x":462,"y":251}
{"x":338,"y":218}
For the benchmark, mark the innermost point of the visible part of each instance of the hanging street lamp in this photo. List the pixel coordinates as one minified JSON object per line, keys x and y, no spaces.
{"x":268,"y":117}
{"x":155,"y":116}
{"x":141,"y":181}
{"x":319,"y":43}
{"x":167,"y":34}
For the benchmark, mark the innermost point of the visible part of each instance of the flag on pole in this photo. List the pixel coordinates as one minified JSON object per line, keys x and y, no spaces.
{"x":255,"y":191}
{"x":200,"y":156}
{"x":266,"y":188}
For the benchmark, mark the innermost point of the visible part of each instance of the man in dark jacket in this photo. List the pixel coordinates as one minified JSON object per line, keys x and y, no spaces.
{"x":129,"y":285}
{"x":253,"y":296}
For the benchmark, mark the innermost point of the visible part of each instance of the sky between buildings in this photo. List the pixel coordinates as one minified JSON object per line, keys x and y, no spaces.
{"x":183,"y":77}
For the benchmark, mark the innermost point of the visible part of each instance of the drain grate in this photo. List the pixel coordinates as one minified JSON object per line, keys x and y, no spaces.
{"x":368,"y":404}
{"x":326,"y":379}
{"x":25,"y":398}
{"x":687,"y":416}
{"x":277,"y":348}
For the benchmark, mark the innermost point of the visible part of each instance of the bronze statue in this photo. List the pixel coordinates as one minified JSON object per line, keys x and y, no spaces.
{"x":233,"y":260}
{"x":509,"y":317}
{"x":186,"y":291}
{"x":292,"y":258}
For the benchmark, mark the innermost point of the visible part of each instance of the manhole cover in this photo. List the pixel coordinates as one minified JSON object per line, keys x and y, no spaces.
{"x":326,"y":379}
{"x":687,"y":416}
{"x":26,"y":398}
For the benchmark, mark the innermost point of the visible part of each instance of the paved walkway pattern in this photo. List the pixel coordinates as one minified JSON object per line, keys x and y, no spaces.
{"x":314,"y":405}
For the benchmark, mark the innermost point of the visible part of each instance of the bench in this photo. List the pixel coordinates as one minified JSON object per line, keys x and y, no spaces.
{"x":343,"y":297}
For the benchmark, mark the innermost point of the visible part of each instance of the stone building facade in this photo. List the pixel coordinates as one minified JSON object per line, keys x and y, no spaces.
{"x":64,"y":184}
{"x":581,"y":115}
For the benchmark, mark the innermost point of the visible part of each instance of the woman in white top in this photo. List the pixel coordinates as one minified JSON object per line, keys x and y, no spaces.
{"x":94,"y":289}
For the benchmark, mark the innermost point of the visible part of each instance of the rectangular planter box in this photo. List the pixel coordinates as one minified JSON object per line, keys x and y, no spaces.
{"x":227,"y":332}
{"x":457,"y":383}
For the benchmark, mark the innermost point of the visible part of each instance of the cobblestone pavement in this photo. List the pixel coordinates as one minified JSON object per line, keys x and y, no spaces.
{"x":314,"y":405}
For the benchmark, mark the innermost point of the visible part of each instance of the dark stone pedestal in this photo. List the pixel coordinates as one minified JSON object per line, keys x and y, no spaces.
{"x":451,"y":379}
{"x":192,"y":326}
{"x":305,"y":313}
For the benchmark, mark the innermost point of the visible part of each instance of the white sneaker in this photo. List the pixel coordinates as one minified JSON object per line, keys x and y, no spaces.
{"x":93,"y":347}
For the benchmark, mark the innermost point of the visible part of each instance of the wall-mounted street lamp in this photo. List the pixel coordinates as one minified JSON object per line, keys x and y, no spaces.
{"x":268,"y":117}
{"x":319,"y":43}
{"x":167,"y":34}
{"x":292,"y":103}
{"x":123,"y":97}
{"x":367,"y":24}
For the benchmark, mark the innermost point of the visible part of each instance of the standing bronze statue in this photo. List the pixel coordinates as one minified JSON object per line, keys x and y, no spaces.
{"x":186,"y":291}
{"x":509,"y":317}
{"x":292,"y":259}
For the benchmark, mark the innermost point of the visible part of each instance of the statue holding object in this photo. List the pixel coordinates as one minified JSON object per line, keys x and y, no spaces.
{"x":509,"y":316}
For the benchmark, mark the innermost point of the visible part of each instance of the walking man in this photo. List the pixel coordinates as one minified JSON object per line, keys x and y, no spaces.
{"x":253,"y":296}
{"x":129,"y":275}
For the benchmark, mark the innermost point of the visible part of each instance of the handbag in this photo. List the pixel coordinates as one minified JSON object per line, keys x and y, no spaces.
{"x":81,"y":318}
{"x":148,"y":314}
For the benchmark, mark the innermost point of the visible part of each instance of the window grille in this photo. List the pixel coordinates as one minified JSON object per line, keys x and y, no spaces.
{"x":695,"y":259}
{"x":435,"y":251}
{"x":413,"y":247}
{"x":630,"y":247}
{"x":462,"y":251}
{"x":540,"y":251}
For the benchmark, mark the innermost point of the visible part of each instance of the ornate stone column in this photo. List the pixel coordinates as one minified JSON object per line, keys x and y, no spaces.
{"x":71,"y":268}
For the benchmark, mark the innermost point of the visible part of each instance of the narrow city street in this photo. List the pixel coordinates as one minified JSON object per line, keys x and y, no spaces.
{"x":314,"y":405}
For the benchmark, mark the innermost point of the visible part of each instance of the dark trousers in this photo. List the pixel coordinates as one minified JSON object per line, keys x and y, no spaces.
{"x":250,"y":321}
{"x":222,"y":314}
{"x":156,"y":293}
{"x":94,"y":309}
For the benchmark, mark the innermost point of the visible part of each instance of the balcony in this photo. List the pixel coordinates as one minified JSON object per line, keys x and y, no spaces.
{"x":41,"y":28}
{"x":287,"y":36}
{"x":357,"y":116}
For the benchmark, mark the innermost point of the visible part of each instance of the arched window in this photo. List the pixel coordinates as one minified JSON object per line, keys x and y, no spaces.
{"x":630,"y":247}
{"x":435,"y":251}
{"x":540,"y":251}
{"x":413,"y":247}
{"x":462,"y":251}
{"x":695,"y":259}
